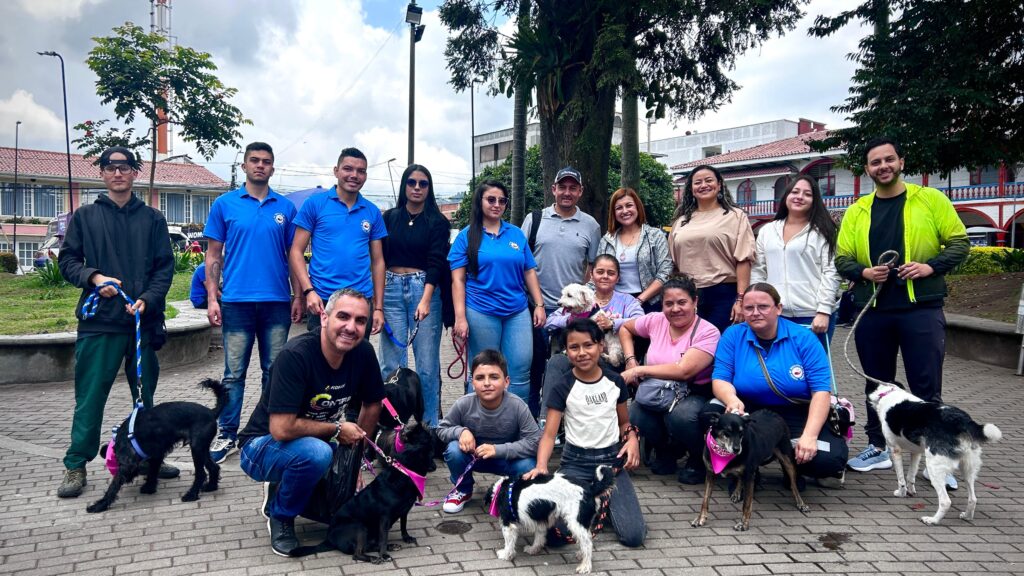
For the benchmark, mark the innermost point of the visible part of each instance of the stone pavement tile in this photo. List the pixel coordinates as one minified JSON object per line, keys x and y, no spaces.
{"x":794,"y":568}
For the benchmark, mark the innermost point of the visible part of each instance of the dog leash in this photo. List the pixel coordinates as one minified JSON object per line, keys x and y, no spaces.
{"x":89,"y":307}
{"x":887,"y":258}
{"x":418,"y":479}
{"x":460,"y":357}
{"x":394,"y":339}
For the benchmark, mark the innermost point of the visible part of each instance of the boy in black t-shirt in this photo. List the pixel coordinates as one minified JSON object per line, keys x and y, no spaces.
{"x":315,"y":380}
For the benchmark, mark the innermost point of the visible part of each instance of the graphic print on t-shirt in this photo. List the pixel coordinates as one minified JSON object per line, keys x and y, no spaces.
{"x":329,"y":405}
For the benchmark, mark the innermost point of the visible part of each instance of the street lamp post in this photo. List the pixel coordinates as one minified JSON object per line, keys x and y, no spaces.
{"x":394,"y":193}
{"x":17,"y":128}
{"x":67,"y":129}
{"x":413,"y":15}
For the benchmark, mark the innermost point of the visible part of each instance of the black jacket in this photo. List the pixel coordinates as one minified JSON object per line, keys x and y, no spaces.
{"x":130,"y":244}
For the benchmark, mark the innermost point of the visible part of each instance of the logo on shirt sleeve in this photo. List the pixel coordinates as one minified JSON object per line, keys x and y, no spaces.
{"x":366,"y":226}
{"x":796,"y":372}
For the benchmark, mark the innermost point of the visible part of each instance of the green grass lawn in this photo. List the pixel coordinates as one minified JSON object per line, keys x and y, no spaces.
{"x":28,"y":307}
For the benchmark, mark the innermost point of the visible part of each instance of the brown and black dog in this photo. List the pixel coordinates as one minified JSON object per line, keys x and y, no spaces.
{"x":751,"y":440}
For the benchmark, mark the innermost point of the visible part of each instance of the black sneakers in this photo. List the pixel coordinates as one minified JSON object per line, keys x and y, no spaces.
{"x":282,"y":536}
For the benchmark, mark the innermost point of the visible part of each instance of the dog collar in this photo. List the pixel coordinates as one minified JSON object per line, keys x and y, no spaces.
{"x":719,"y":458}
{"x":886,"y":393}
{"x":417,"y":479}
{"x":111,"y":460}
{"x":398,"y":429}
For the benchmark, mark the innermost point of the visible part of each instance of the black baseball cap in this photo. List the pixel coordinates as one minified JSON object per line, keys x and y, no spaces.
{"x":569,"y":172}
{"x":131,"y":160}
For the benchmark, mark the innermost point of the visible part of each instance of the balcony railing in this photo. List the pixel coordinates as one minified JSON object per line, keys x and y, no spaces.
{"x":763,"y":208}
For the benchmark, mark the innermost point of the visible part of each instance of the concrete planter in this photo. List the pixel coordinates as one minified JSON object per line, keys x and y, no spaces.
{"x":982,"y":340}
{"x":51,"y":357}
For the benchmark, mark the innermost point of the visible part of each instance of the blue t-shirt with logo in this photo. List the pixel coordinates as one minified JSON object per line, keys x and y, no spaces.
{"x":795,"y":360}
{"x":498,"y":287}
{"x":256,"y":237}
{"x":340,"y":241}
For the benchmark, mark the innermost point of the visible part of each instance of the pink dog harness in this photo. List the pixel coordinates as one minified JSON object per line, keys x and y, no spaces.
{"x":111,"y":460}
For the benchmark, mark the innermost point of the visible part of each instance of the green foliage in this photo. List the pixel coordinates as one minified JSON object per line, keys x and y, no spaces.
{"x":1011,"y":260}
{"x":8,"y":262}
{"x":186,"y":262}
{"x":966,"y":111}
{"x":140,"y":76}
{"x":95,"y":139}
{"x":655,"y":186}
{"x":49,"y":275}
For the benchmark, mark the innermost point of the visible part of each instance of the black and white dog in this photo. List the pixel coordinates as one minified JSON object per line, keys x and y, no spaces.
{"x":945,"y":435}
{"x":537,"y":504}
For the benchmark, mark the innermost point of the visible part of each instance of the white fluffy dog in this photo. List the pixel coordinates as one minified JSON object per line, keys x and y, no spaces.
{"x":580,"y":302}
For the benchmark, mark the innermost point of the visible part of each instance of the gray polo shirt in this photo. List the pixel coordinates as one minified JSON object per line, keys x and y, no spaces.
{"x":564,"y":248}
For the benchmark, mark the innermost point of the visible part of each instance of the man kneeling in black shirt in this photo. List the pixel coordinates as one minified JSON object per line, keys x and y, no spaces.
{"x":315,"y":379}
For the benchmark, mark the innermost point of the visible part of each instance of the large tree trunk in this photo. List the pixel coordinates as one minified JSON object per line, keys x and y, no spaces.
{"x":630,"y":177}
{"x":519,"y":132}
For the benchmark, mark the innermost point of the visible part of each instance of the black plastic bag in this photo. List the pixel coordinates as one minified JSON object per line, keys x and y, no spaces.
{"x":337,"y":485}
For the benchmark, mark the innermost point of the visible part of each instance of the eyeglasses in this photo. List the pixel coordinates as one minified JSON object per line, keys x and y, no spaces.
{"x":760,"y":308}
{"x":412,"y":182}
{"x":122,"y":168}
{"x":499,"y":200}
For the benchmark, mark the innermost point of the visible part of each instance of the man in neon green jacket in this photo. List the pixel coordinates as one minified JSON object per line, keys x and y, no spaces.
{"x":922,"y":226}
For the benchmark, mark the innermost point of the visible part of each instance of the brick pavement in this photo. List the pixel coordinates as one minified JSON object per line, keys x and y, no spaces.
{"x":861,"y":528}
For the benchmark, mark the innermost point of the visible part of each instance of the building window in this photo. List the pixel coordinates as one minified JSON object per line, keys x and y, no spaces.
{"x":27,"y":253}
{"x":11,"y":199}
{"x":47,"y":200}
{"x":200,"y":209}
{"x":822,"y":172}
{"x":709,"y":151}
{"x":504,"y":150}
{"x":489,"y":153}
{"x":173,"y":207}
{"x":746,"y":192}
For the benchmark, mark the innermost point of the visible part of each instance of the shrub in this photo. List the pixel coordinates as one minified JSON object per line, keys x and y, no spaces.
{"x":1012,"y":260}
{"x":49,"y":275}
{"x":8,"y":262}
{"x":981,"y":260}
{"x":186,"y":261}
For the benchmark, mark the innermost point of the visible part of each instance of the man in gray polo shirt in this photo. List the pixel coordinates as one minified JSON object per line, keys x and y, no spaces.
{"x":566,"y":246}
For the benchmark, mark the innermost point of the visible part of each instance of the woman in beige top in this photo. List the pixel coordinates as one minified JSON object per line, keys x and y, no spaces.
{"x":711,"y":240}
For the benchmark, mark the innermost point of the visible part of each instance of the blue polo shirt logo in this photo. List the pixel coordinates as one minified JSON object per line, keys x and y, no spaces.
{"x":366,"y":226}
{"x":514,"y":246}
{"x":279,"y":218}
{"x":796,"y":372}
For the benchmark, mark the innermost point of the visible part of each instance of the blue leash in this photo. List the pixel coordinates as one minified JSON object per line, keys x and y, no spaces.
{"x":92,"y":302}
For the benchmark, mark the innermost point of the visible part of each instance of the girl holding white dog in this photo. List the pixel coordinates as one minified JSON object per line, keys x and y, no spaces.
{"x":592,"y":402}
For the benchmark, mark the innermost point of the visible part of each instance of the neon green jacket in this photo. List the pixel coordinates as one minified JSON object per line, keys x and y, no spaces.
{"x":932,"y":233}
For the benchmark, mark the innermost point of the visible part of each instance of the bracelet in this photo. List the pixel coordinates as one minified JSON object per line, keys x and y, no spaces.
{"x":307,"y":291}
{"x":378,"y":309}
{"x":631,"y":428}
{"x":628,"y":358}
{"x":337,"y":430}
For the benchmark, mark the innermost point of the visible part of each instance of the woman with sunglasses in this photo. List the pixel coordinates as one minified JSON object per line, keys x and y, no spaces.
{"x":414,"y":253}
{"x":492,"y":271}
{"x":795,"y":253}
{"x":770,"y":362}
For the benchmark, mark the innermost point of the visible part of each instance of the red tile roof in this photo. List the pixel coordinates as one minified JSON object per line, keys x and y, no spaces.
{"x":50,"y":164}
{"x":777,"y":149}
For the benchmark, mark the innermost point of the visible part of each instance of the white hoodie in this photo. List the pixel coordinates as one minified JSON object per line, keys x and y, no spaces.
{"x":802,"y":271}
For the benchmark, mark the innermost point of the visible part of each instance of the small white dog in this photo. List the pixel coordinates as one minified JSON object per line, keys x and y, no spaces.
{"x":537,"y":504}
{"x":579,"y":300}
{"x":945,"y":435}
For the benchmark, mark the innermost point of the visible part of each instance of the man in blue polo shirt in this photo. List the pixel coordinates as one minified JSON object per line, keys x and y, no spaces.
{"x":346,"y":231}
{"x":249,"y":231}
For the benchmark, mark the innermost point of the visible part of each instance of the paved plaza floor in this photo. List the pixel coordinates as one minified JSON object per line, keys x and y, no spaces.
{"x":860,"y":528}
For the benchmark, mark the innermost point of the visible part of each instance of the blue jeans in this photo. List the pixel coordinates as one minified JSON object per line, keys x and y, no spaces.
{"x":806,"y":321}
{"x":457,"y":460}
{"x":244,"y":323}
{"x":296,"y":466}
{"x":510,"y":335}
{"x":579,"y":464}
{"x":402,"y":293}
{"x":714,"y":304}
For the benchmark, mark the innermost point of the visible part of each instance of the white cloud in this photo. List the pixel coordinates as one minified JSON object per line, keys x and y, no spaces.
{"x":56,"y":9}
{"x":37,"y":122}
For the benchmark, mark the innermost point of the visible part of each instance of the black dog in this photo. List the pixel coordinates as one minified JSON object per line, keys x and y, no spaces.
{"x":157,"y":431}
{"x":363,"y":522}
{"x":751,"y":440}
{"x":402,"y":388}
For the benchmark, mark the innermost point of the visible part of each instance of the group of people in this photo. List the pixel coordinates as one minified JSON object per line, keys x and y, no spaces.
{"x":707,"y":314}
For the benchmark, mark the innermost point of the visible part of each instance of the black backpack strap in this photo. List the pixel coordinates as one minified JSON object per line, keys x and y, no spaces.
{"x":534,"y":225}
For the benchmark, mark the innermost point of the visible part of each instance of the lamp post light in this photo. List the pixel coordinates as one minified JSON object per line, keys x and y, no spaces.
{"x":413,"y":15}
{"x":17,"y":128}
{"x":394,"y":193}
{"x":67,"y":129}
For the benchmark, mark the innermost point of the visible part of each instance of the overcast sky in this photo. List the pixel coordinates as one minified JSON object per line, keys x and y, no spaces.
{"x":315,"y":76}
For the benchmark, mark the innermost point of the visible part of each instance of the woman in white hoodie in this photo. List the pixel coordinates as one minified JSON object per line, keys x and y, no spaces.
{"x":795,"y":254}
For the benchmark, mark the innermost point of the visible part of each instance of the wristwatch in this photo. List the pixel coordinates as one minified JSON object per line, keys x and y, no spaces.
{"x":307,"y":291}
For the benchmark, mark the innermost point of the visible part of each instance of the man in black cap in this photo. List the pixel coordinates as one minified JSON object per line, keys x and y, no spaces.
{"x":117,"y":239}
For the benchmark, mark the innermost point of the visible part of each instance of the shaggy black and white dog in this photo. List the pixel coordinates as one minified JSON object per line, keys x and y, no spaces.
{"x":538,"y":504}
{"x":945,"y":435}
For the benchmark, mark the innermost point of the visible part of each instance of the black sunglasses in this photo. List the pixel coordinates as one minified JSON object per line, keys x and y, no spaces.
{"x":412,"y":182}
{"x":499,"y":200}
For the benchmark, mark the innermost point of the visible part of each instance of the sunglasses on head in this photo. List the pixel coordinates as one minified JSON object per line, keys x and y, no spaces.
{"x":499,"y":200}
{"x":412,"y":182}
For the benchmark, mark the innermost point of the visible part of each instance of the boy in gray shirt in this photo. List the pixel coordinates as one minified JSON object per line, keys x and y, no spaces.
{"x":495,"y":427}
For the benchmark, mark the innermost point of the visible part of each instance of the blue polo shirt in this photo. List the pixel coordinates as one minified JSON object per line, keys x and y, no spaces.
{"x":796,"y":362}
{"x":197,"y":291}
{"x":341,"y":241}
{"x":498,"y":288}
{"x":256,"y":237}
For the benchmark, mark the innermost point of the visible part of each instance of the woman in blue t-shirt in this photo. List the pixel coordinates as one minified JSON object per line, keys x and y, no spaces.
{"x":492,"y":269}
{"x":799,"y":388}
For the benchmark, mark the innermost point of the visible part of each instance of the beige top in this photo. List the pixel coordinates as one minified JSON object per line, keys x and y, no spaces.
{"x":711,"y":244}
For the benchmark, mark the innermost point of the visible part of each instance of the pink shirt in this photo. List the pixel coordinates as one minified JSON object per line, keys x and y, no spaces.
{"x":664,"y":350}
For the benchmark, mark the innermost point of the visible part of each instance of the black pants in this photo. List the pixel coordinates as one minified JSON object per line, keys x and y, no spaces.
{"x":920,"y":335}
{"x":714,"y":304}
